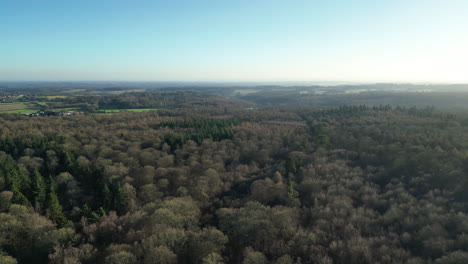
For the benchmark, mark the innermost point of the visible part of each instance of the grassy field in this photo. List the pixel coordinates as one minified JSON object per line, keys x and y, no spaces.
{"x":113,"y":111}
{"x":50,"y":97}
{"x":20,"y":111}
{"x":12,"y":106}
{"x":34,"y":107}
{"x":65,"y":109}
{"x":17,"y":108}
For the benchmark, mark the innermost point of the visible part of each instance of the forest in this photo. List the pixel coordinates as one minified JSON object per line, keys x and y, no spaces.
{"x":212,"y":179}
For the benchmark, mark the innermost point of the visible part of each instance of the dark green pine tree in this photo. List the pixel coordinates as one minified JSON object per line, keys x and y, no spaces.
{"x":107,"y":197}
{"x":119,"y":199}
{"x":55,"y":211}
{"x":86,"y":212}
{"x":93,"y":216}
{"x":19,"y":198}
{"x":290,"y":166}
{"x":15,"y":180}
{"x":39,"y":189}
{"x":54,"y":208}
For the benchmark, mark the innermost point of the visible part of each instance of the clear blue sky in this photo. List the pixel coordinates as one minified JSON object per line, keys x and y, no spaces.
{"x":235,"y":40}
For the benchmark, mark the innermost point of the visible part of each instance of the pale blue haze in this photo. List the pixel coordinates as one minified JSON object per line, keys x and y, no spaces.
{"x":234,"y":40}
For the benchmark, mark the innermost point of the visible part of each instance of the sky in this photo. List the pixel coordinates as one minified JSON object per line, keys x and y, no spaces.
{"x":234,"y":40}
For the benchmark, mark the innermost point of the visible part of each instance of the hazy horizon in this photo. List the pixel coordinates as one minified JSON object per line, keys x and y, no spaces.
{"x":232,"y":83}
{"x":235,"y":42}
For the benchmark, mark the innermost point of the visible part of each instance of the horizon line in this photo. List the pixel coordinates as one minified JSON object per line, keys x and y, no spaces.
{"x":242,"y":82}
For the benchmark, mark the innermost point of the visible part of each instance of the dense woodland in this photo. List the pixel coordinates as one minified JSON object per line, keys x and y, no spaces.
{"x":211,"y":180}
{"x":443,"y":100}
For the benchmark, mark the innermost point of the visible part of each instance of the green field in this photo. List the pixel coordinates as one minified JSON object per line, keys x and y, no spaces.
{"x":12,"y":106}
{"x":65,"y":109}
{"x":32,"y":107}
{"x":17,"y":108}
{"x":114,"y":111}
{"x":20,"y":111}
{"x":51,"y":97}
